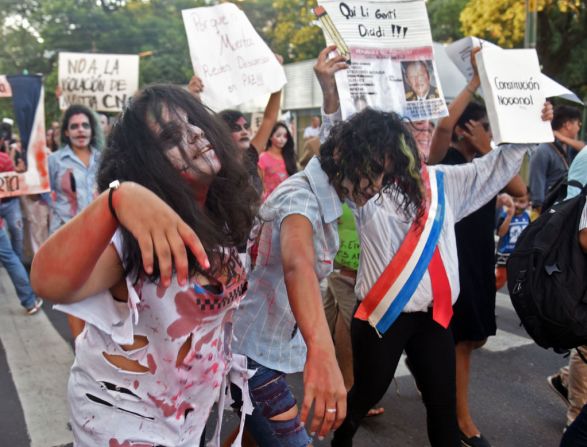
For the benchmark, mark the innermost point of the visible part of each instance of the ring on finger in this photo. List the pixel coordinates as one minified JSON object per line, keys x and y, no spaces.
{"x":331,"y":410}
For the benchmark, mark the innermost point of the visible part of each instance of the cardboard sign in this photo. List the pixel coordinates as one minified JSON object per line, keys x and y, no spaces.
{"x":230,"y":57}
{"x":392,"y":60}
{"x":102,"y":82}
{"x":514,"y":95}
{"x":28,"y":103}
{"x":460,"y":54}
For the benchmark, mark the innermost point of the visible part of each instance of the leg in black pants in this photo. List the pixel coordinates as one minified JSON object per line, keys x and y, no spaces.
{"x":375,"y":361}
{"x":432,"y":356}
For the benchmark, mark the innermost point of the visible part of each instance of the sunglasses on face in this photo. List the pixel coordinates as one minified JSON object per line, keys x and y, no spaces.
{"x":237,"y":127}
{"x":76,"y":126}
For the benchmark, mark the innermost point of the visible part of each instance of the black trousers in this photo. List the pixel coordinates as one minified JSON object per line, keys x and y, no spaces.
{"x":431,"y":351}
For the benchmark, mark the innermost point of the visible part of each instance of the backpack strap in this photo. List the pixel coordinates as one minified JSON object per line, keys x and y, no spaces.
{"x":560,"y":152}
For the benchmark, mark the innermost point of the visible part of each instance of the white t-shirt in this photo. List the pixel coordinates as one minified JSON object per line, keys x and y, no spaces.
{"x":311,"y":132}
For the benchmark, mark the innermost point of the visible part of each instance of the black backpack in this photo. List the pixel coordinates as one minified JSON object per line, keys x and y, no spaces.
{"x":547,"y":277}
{"x":558,"y":191}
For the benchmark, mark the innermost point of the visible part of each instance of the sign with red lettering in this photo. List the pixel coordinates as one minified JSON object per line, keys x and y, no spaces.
{"x":102,"y":82}
{"x":235,"y":64}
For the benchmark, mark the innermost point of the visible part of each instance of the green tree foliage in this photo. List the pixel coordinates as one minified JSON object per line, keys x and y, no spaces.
{"x":36,"y":31}
{"x":287,"y":26}
{"x":444,"y":21}
{"x":562,"y":35}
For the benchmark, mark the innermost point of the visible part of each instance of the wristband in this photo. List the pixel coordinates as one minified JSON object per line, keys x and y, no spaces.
{"x":113,"y":186}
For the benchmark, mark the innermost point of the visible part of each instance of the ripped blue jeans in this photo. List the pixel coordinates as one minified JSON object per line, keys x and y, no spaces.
{"x":271,"y":397}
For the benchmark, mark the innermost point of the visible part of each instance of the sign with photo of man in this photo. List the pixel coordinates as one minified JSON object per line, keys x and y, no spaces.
{"x":389,"y":44}
{"x":419,"y":84}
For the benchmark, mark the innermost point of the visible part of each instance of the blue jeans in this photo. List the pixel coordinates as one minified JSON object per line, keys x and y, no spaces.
{"x":10,"y":211}
{"x":16,"y":271}
{"x":271,"y":396}
{"x":576,"y":434}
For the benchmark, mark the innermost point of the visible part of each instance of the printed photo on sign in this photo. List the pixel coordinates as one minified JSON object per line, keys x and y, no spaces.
{"x":419,"y":80}
{"x":101,"y":82}
{"x":392,"y":60}
{"x":23,"y":161}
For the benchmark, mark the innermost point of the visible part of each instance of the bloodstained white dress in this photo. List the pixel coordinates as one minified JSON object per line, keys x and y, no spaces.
{"x":169,"y":403}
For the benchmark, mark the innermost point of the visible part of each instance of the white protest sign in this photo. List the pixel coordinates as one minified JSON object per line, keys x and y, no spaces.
{"x":514,"y":95}
{"x":230,"y":57}
{"x":460,"y":53}
{"x":392,"y":59}
{"x":102,"y":82}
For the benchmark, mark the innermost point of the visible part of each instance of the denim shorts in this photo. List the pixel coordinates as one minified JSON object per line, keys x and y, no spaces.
{"x":271,"y":396}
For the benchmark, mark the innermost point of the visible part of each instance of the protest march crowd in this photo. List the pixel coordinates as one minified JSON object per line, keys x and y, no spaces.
{"x":207,"y":262}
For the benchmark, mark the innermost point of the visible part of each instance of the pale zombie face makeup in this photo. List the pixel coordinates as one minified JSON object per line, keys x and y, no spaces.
{"x":279,"y":138}
{"x":241,"y":133}
{"x":79,"y":131}
{"x":197,"y":162}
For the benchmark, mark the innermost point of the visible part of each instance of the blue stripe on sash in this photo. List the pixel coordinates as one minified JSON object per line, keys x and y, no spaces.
{"x":411,"y":284}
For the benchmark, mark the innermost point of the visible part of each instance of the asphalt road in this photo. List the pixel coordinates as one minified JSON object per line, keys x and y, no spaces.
{"x":510,"y":400}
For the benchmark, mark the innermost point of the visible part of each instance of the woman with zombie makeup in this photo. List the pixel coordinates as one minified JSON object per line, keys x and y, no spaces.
{"x":278,"y":161}
{"x":155,"y":352}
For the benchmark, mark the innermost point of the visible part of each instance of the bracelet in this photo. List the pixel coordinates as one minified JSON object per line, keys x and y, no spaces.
{"x":113,"y":186}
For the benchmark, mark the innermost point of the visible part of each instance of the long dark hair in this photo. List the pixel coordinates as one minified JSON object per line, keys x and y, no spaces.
{"x":137,"y":152}
{"x":362,"y":146}
{"x":77,"y":109}
{"x":288,"y":152}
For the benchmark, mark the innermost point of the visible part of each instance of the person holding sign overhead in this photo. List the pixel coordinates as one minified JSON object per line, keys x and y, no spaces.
{"x":408,"y":271}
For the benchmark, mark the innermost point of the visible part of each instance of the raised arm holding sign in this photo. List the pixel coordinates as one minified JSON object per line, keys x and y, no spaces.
{"x":229,"y":56}
{"x":390,"y":46}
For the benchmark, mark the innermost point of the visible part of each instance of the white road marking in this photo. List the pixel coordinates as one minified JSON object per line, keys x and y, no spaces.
{"x":39,"y":361}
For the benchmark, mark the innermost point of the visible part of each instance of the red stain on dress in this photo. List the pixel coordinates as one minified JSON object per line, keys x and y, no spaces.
{"x":114,"y":443}
{"x":136,"y":384}
{"x":190,"y":314}
{"x":151,"y":363}
{"x":169,"y":409}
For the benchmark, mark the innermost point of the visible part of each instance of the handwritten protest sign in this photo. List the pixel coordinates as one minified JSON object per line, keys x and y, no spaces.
{"x":27,"y":95}
{"x":514,"y":95}
{"x":230,"y":57}
{"x":102,"y":82}
{"x":392,"y":59}
{"x":460,"y":54}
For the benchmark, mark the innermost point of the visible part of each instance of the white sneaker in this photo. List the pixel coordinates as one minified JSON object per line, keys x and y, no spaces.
{"x":36,"y":307}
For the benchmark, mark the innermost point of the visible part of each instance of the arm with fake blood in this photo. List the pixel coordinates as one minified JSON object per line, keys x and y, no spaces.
{"x":78,"y":260}
{"x":323,"y":384}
